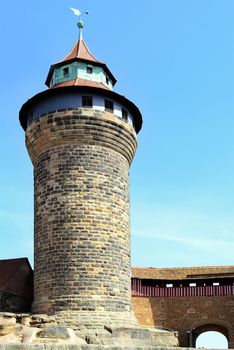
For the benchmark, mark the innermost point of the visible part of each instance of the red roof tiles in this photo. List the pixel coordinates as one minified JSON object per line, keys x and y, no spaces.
{"x":81,"y":51}
{"x":182,"y":273}
{"x":81,"y":82}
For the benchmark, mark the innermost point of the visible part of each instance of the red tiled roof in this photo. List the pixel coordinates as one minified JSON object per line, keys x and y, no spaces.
{"x":80,"y":82}
{"x":181,"y":273}
{"x":81,"y":51}
{"x":8,"y":267}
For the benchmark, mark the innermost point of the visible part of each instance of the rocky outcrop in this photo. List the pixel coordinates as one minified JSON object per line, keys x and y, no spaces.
{"x":43,"y":329}
{"x":35,"y":329}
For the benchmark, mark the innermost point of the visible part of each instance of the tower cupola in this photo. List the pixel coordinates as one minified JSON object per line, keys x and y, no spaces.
{"x":80,"y":68}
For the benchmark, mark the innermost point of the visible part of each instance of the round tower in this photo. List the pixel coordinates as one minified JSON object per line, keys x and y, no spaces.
{"x":81,"y":137}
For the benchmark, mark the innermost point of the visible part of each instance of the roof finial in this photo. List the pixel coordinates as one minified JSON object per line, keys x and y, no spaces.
{"x":80,"y":24}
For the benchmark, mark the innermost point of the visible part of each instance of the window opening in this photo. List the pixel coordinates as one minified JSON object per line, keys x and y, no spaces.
{"x":124,"y":114}
{"x":65,"y":71}
{"x":87,"y":101}
{"x":109,"y":106}
{"x":89,"y":70}
{"x":30,"y":118}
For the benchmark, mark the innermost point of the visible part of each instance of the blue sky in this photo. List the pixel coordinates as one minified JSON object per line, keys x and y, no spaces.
{"x":214,"y":339}
{"x":174,"y":59}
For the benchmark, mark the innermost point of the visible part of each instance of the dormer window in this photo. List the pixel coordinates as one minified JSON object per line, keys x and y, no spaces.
{"x":65,"y":71}
{"x":89,"y":70}
{"x":109,"y":106}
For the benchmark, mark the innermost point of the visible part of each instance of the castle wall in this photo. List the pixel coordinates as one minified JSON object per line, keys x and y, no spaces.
{"x":82,"y":240}
{"x":184,"y":314}
{"x":14,"y":303}
{"x":17,"y":292}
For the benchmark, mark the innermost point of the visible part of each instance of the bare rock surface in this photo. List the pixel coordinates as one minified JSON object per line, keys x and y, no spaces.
{"x":9,"y":328}
{"x":35,"y":330}
{"x":7,"y":318}
{"x":42,"y":330}
{"x":58,"y":332}
{"x":29,"y":334}
{"x":132,"y":336}
{"x":83,"y":347}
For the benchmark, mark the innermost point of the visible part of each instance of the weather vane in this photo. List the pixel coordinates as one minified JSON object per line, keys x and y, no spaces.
{"x":80,"y":14}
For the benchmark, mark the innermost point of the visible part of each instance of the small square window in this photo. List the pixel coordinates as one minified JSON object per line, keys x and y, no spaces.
{"x":109,"y":106}
{"x":124,"y":114}
{"x":87,"y":101}
{"x":89,"y":70}
{"x":65,"y":71}
{"x":192,"y":284}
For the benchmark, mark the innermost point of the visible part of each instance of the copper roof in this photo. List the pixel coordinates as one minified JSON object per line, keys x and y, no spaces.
{"x":181,"y":273}
{"x":81,"y":51}
{"x":81,"y":82}
{"x":8,"y":268}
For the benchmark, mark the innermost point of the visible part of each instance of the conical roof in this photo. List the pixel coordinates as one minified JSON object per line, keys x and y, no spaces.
{"x":80,"y":51}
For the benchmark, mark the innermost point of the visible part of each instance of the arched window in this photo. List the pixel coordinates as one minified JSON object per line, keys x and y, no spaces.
{"x":210,"y":339}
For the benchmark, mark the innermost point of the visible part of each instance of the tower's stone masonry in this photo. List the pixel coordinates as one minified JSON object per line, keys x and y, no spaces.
{"x":82,"y":238}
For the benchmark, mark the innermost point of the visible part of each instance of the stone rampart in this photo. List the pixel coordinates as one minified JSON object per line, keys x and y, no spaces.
{"x":14,"y":303}
{"x":184,"y":314}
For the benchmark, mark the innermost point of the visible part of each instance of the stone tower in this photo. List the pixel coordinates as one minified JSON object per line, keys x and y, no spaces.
{"x":81,"y":137}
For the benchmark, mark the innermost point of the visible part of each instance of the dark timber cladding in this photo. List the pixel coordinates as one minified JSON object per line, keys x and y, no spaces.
{"x":23,"y":115}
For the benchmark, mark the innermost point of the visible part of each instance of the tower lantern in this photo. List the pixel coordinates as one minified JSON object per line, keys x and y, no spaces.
{"x":81,"y":137}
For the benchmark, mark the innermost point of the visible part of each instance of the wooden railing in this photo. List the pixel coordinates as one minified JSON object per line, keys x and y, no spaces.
{"x":164,"y":292}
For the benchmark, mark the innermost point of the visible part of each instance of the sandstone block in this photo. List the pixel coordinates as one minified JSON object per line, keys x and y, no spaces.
{"x":9,"y":328}
{"x":7,"y":318}
{"x":58,"y":332}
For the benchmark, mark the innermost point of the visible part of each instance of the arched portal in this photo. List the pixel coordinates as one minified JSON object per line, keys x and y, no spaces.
{"x":196,"y":332}
{"x":210,"y":339}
